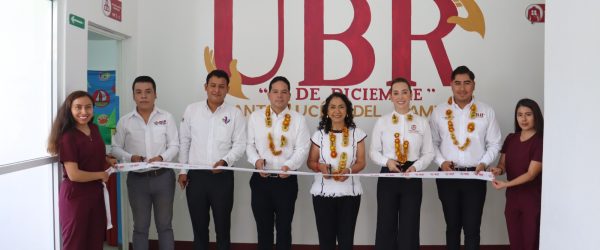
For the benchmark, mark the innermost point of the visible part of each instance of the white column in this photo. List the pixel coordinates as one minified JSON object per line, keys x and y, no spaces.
{"x":570,"y":197}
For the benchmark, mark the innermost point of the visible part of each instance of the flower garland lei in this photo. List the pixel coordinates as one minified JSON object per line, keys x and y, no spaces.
{"x":401,"y":153}
{"x":470,"y":126}
{"x":284,"y":126}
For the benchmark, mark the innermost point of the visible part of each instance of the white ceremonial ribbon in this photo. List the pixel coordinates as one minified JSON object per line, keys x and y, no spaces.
{"x":125,"y":167}
{"x":107,"y":200}
{"x":483,"y":175}
{"x":107,"y":207}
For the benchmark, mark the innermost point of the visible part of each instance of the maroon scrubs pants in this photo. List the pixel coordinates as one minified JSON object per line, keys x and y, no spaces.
{"x":82,"y":215}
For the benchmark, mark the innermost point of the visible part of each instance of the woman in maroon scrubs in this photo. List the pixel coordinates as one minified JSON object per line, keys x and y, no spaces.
{"x":521,"y":159}
{"x":80,"y":149}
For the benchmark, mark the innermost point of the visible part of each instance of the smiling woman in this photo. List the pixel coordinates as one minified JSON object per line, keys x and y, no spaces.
{"x":338,"y":147}
{"x":77,"y":142}
{"x":401,"y":142}
{"x":521,"y":160}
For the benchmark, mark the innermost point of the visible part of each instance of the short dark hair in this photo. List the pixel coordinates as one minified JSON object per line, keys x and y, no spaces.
{"x":463,"y":70}
{"x":538,"y":118}
{"x":325,"y":123}
{"x":400,"y":80}
{"x":218,"y":74}
{"x":280,"y":78}
{"x":143,"y":79}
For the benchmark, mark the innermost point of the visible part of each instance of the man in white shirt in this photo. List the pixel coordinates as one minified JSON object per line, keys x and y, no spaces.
{"x":148,"y":134}
{"x":278,"y":139}
{"x":212,"y":133}
{"x":466,"y":137}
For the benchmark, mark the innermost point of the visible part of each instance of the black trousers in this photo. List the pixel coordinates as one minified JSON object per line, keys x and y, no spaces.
{"x":273,"y":204}
{"x":207,"y":191}
{"x":462,"y":202}
{"x":336,"y":219}
{"x":398,"y":213}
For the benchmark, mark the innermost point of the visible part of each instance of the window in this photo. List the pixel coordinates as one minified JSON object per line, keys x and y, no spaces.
{"x":26,"y":106}
{"x":26,"y":79}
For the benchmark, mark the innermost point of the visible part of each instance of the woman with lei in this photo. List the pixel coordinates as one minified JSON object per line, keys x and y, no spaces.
{"x":401,"y":143}
{"x":337,"y":149}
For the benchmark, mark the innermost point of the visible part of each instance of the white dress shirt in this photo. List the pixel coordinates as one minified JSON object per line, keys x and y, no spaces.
{"x":485,"y":139}
{"x":136,"y":137}
{"x":208,"y":137}
{"x":417,"y":132}
{"x":295,"y":151}
{"x":330,"y":187}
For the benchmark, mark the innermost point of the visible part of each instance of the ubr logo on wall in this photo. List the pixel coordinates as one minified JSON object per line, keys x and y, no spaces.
{"x":535,"y":13}
{"x":354,"y":39}
{"x":112,"y":9}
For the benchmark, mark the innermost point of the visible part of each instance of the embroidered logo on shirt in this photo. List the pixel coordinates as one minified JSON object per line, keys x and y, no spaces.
{"x":163,"y":122}
{"x":226,"y":119}
{"x":480,"y":115}
{"x":413,"y":129}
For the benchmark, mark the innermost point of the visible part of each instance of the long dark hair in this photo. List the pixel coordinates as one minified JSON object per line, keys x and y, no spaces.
{"x":538,"y":118}
{"x":64,"y":121}
{"x":325,"y":122}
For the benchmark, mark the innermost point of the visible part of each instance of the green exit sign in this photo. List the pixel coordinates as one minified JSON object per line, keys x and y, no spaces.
{"x":77,"y":21}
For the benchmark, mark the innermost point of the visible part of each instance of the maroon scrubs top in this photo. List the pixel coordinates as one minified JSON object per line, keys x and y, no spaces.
{"x":87,"y":151}
{"x":518,"y":155}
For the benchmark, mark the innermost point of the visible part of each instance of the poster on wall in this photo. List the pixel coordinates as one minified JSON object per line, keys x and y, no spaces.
{"x":101,"y":85}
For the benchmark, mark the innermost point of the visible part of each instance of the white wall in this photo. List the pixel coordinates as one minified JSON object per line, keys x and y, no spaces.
{"x":570,"y":202}
{"x":569,"y":216}
{"x":167,"y":42}
{"x":73,"y":42}
{"x":508,"y":63}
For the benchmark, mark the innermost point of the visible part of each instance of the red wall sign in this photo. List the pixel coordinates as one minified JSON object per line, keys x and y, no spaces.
{"x":112,"y":9}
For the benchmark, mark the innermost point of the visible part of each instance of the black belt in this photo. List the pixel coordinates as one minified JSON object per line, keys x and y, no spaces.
{"x":462,"y":169}
{"x":275,"y":176}
{"x":465,"y":169}
{"x":268,"y":175}
{"x":151,"y":173}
